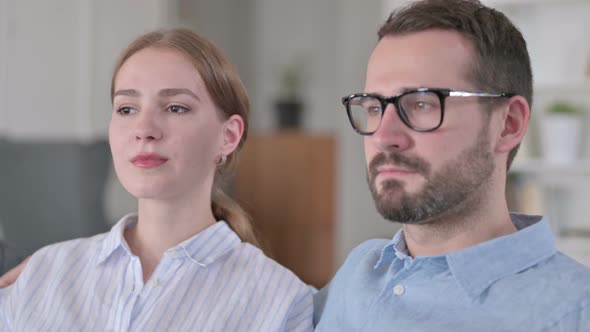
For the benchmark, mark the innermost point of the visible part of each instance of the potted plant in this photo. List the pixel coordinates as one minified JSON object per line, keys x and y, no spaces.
{"x":289,"y":104}
{"x":561,"y":132}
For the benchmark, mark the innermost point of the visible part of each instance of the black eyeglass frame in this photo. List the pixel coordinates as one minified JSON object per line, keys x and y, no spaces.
{"x":441,"y":93}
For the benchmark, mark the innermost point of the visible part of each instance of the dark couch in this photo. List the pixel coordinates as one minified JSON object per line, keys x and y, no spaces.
{"x":49,"y":192}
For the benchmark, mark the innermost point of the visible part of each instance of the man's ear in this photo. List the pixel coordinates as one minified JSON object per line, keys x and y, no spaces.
{"x":233,"y":130}
{"x":514,"y":124}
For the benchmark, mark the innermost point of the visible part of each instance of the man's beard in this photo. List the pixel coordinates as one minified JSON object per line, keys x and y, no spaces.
{"x":455,"y":189}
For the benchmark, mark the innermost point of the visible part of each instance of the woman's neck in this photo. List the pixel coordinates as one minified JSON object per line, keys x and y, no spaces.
{"x":163,"y":225}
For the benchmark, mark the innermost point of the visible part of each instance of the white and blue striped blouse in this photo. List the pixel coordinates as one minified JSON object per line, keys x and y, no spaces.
{"x":211,"y":282}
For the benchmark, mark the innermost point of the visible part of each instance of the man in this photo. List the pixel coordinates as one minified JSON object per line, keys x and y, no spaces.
{"x":446,"y":103}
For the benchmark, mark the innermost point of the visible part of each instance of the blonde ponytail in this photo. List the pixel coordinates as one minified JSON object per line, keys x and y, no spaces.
{"x":226,"y":208}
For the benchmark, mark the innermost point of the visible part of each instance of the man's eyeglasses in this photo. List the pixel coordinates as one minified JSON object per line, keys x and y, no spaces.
{"x":421,"y":109}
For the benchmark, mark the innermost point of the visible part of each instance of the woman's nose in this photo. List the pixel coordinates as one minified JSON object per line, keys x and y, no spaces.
{"x":147,"y":127}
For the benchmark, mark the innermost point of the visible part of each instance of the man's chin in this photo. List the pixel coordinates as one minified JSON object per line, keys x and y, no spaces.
{"x":396,"y":215}
{"x":389,"y":200}
{"x":389,"y":186}
{"x":393,"y":205}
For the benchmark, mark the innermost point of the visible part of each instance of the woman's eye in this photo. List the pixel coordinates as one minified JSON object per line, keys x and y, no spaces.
{"x":177,"y":109}
{"x":126,"y":110}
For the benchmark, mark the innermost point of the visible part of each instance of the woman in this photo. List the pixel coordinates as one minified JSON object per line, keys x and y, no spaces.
{"x":181,"y":263}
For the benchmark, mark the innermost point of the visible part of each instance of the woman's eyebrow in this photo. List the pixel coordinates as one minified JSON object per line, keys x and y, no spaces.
{"x":127,"y":92}
{"x":178,"y":91}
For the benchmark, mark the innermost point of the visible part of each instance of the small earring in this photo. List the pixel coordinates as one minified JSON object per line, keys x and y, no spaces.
{"x":221,"y":160}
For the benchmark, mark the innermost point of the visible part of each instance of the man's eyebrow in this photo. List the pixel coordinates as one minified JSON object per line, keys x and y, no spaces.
{"x":127,"y":92}
{"x":178,"y":91}
{"x":408,"y":89}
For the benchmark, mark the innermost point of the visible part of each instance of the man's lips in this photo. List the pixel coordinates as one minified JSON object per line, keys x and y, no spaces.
{"x":148,"y":160}
{"x":397,"y":165}
{"x":393,"y":171}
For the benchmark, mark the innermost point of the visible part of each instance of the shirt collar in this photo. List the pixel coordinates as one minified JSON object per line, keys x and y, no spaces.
{"x":205,"y":247}
{"x":114,"y":239}
{"x":477,"y":267}
{"x":395,"y":248}
{"x":208,"y":245}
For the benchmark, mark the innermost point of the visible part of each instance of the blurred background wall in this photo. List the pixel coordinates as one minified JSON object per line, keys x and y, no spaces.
{"x":56,"y":60}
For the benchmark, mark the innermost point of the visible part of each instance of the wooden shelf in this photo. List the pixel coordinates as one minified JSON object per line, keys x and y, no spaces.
{"x":286,"y":181}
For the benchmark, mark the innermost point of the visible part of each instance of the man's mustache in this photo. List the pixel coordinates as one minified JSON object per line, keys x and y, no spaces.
{"x":412,"y":164}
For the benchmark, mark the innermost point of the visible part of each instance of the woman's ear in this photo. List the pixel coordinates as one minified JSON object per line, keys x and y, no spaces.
{"x":514,"y":124}
{"x":233,"y":130}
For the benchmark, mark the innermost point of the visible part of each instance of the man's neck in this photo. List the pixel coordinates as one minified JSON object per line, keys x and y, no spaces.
{"x":459,"y":231}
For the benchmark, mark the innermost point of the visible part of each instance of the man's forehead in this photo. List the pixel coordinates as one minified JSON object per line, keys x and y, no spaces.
{"x":433,"y":58}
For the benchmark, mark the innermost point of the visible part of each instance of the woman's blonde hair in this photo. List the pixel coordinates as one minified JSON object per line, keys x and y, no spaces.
{"x":227,"y":92}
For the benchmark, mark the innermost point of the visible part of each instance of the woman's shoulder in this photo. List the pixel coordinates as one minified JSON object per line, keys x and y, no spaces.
{"x":256,"y":258}
{"x":73,"y":244}
{"x":254,"y":261}
{"x":286,"y":295}
{"x":60,"y":253}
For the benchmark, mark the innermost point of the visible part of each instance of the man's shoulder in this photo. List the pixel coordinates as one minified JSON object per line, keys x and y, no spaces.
{"x":363,"y":258}
{"x":562,"y":269}
{"x":369,"y":249}
{"x":559,"y":289}
{"x":549,"y":290}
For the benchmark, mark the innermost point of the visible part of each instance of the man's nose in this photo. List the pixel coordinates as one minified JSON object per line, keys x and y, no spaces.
{"x":393,"y":133}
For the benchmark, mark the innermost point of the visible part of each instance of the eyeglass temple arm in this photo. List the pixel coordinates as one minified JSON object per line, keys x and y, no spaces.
{"x":478,"y":94}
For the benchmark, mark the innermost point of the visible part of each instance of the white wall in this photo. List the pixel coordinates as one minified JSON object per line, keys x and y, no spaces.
{"x":56,"y":61}
{"x":41,"y":84}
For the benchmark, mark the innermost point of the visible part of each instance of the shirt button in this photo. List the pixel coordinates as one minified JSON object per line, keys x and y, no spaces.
{"x":173,"y":254}
{"x":154,"y":283}
{"x":399,"y":290}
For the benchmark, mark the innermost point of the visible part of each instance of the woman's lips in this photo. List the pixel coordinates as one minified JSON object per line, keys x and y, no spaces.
{"x":148,"y":160}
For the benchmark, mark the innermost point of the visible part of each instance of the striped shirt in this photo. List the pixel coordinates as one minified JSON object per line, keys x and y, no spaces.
{"x":210,"y":282}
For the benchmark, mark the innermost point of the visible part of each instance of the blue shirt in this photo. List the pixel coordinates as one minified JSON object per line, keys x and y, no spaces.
{"x":211,"y":282}
{"x":517,"y":282}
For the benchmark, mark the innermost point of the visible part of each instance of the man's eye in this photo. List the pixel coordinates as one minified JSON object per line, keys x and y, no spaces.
{"x":373,"y":110}
{"x":126,"y":110}
{"x":422,"y":106}
{"x":178,"y":109}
